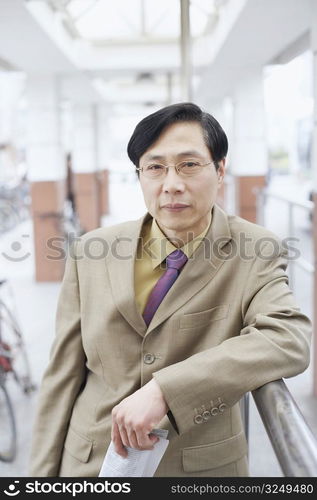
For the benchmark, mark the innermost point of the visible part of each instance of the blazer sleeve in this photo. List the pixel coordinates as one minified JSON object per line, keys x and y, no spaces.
{"x":273,"y":343}
{"x":62,"y":380}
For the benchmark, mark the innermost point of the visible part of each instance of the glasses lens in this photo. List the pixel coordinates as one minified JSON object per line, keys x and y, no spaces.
{"x":154,"y":171}
{"x":190,"y":167}
{"x":186,"y":168}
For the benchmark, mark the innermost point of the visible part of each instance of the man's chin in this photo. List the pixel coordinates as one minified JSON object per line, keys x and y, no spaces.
{"x":173,"y":225}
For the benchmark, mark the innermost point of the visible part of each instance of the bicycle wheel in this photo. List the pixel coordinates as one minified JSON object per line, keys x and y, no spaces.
{"x":8,"y":436}
{"x":12,"y":335}
{"x":8,"y":215}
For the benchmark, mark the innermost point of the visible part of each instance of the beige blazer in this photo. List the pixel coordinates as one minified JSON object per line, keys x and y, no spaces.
{"x":228,"y":325}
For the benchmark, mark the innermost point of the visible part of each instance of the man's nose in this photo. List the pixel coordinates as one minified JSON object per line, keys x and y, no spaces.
{"x":173,"y":182}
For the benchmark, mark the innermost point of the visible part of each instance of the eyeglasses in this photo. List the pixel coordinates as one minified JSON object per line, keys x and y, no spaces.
{"x":186,"y":168}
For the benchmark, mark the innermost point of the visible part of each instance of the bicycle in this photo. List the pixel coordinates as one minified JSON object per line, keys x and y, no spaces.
{"x":14,"y":364}
{"x":14,"y":203}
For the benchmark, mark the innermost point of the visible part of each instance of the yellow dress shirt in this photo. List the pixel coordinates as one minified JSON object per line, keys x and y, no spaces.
{"x":152,"y":251}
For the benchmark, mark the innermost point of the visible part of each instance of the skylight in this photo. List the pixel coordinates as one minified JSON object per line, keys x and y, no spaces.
{"x":140,"y":20}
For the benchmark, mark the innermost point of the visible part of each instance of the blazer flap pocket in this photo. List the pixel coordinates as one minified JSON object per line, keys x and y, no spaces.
{"x":204,"y":317}
{"x":78,"y":446}
{"x":210,"y":456}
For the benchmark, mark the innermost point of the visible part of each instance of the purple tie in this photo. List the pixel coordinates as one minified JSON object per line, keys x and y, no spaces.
{"x":175,"y":261}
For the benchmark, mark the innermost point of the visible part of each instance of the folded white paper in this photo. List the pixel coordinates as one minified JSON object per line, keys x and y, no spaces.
{"x":138,"y":463}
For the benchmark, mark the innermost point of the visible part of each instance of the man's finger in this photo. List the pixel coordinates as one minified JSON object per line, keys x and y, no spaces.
{"x":145,"y":441}
{"x":124,"y":436}
{"x":117,"y":441}
{"x":133,"y":439}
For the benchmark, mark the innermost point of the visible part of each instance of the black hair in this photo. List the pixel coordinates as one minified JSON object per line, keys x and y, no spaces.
{"x":150,"y":128}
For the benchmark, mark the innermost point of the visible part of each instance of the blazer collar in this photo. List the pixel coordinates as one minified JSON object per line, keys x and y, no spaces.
{"x":120,"y":266}
{"x":199,"y":270}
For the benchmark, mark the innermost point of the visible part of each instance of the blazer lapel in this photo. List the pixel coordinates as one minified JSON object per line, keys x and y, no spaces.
{"x":198,"y":271}
{"x":120,"y":266}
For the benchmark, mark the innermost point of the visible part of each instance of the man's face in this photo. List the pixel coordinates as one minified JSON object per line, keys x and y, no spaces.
{"x":181,"y":204}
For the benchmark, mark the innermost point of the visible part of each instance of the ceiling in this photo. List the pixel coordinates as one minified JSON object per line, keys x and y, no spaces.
{"x":104,"y":21}
{"x":128,"y":51}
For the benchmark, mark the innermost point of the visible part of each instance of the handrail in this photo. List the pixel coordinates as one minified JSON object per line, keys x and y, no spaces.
{"x":293,"y":442}
{"x":261,"y":196}
{"x":308,"y":205}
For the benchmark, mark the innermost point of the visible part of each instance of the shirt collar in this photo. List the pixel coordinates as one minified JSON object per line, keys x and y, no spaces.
{"x":159,"y":246}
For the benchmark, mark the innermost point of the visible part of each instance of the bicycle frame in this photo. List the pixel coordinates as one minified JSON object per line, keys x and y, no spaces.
{"x":13,"y":362}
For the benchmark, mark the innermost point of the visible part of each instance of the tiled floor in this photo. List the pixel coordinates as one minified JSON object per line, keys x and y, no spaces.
{"x":36,"y":305}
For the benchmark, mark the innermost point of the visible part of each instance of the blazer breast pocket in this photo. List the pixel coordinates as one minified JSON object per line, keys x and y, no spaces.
{"x":203,"y":318}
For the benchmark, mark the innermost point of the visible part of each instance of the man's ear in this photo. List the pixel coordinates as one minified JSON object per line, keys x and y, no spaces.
{"x":221,"y":170}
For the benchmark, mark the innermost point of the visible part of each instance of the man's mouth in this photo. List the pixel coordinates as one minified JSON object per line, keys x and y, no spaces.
{"x":175,"y":207}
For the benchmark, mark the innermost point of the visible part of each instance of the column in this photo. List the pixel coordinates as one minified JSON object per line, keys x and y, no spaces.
{"x":103,"y":155}
{"x":314,"y":167}
{"x":11,"y":90}
{"x":248,"y":151}
{"x":185,"y":48}
{"x":84,"y":164}
{"x":46,"y":173}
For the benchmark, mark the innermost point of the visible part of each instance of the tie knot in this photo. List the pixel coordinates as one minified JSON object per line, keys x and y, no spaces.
{"x":176,"y":260}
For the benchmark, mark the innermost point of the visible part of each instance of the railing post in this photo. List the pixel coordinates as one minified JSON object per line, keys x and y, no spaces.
{"x":185,"y":40}
{"x":260,"y":206}
{"x":291,"y":235}
{"x":314,"y":357}
{"x":244,"y":408}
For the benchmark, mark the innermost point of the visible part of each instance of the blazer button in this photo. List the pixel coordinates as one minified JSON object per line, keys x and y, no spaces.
{"x":222,"y":407}
{"x":148,"y":358}
{"x":206,"y":415}
{"x":198,"y":419}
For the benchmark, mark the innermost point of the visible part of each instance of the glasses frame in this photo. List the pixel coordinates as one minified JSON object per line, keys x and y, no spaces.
{"x":140,"y":169}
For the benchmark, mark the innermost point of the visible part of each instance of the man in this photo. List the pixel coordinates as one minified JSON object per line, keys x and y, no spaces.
{"x":169,"y":320}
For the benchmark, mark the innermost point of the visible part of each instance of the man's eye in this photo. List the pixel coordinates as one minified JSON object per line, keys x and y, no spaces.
{"x":154,"y":167}
{"x":191,"y":164}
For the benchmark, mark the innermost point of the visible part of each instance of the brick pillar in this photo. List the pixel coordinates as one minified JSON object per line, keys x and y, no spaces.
{"x":87,"y":200}
{"x":47,"y":211}
{"x":248,"y":159}
{"x":245,"y":195}
{"x":46,"y":173}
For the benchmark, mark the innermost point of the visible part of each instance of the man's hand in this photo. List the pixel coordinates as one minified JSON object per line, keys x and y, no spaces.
{"x":136,"y":416}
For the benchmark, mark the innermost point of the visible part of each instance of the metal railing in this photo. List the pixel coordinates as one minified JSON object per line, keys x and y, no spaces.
{"x":293,"y":442}
{"x":261,"y":197}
